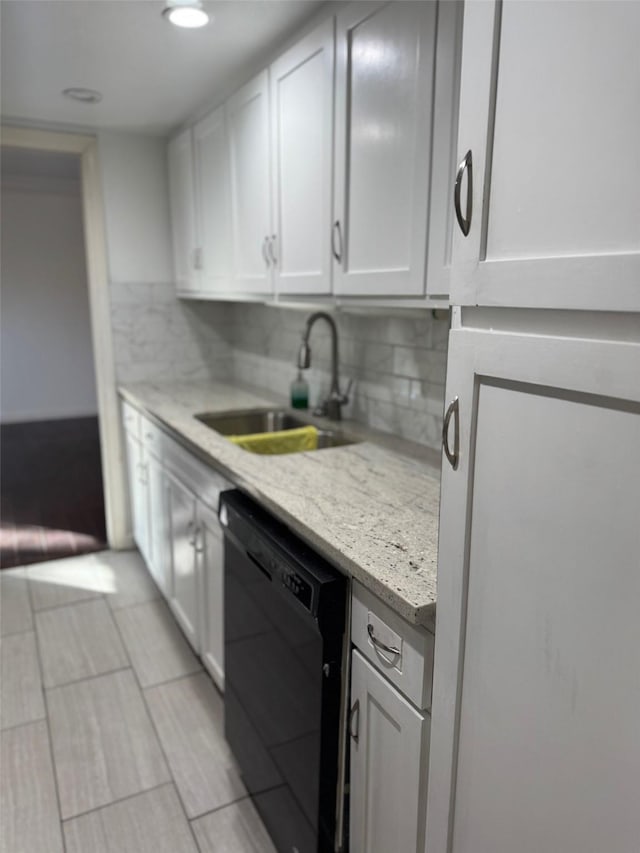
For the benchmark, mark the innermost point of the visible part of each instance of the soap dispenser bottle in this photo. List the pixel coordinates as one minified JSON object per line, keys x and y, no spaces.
{"x":299,"y":392}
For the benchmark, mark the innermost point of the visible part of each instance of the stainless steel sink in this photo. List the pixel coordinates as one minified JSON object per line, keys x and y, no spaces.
{"x":250,"y":421}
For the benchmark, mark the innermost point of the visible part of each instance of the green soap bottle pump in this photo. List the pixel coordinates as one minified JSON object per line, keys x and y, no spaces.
{"x":300,"y":392}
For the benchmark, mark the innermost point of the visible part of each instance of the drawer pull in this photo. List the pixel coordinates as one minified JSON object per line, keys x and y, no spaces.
{"x":392,"y":650}
{"x":354,"y":714}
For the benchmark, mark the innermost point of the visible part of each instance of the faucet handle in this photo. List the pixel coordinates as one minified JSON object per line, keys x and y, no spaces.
{"x":345,"y":394}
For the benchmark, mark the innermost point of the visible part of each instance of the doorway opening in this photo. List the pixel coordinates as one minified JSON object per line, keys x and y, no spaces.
{"x":51,"y":485}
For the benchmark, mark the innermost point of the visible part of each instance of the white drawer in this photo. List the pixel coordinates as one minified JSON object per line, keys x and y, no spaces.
{"x":410,"y":666}
{"x":130,"y":419}
{"x":152,"y":436}
{"x":200,"y":478}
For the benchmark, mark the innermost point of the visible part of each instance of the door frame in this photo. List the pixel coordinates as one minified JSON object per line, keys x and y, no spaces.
{"x":111,"y":443}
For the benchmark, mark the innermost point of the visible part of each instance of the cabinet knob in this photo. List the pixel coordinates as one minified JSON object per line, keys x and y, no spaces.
{"x":466,"y":165}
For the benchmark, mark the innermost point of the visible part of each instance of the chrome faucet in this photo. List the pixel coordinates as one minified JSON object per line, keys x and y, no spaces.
{"x":332,"y":406}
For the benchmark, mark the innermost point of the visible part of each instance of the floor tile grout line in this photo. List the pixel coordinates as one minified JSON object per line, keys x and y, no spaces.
{"x":247,"y":796}
{"x":117,"y":801}
{"x":31,"y":630}
{"x":174,"y":679}
{"x":162,"y":749}
{"x":54,"y":767}
{"x":49,"y":607}
{"x":15,"y":726}
{"x":75,"y":681}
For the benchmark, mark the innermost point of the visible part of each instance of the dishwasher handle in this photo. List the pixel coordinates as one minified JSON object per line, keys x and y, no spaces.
{"x":256,"y":562}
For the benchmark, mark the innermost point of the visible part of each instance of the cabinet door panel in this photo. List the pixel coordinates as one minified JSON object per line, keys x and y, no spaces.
{"x":302,"y":139}
{"x":184,"y":599}
{"x":537,"y":608}
{"x":211,"y":572}
{"x":181,"y":192}
{"x":213,"y":201}
{"x":549,"y":109}
{"x":248,"y":115}
{"x":137,"y":494}
{"x":160,"y":558}
{"x":384,"y":82}
{"x":387,"y":760}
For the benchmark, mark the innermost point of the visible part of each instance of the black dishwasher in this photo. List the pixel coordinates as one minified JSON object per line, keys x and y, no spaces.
{"x":284,"y":627}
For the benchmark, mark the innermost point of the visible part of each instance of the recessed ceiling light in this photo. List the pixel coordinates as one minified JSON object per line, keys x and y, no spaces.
{"x":85,"y":96}
{"x":186,"y":13}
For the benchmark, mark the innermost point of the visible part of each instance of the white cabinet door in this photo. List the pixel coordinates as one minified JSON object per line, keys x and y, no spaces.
{"x":213,"y":203}
{"x":248,"y":117}
{"x":302,"y":140}
{"x":389,"y":744}
{"x":549,"y":112}
{"x":536,"y":698}
{"x":183,"y":216}
{"x":138,"y":493}
{"x":184,"y":600}
{"x":384,"y":94}
{"x":160,"y":562}
{"x":210,"y":549}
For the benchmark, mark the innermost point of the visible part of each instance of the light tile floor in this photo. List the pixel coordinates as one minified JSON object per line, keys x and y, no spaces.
{"x":111,"y":734}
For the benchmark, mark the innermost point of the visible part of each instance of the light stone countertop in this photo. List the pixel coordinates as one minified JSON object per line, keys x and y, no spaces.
{"x":369,"y":508}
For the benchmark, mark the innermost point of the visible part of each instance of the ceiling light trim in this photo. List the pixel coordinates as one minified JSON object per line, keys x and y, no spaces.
{"x":189,"y":14}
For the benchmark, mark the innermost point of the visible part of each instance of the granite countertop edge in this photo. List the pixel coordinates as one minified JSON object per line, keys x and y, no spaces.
{"x":387,"y":542}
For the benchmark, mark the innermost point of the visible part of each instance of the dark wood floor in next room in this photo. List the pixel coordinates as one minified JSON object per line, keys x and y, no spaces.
{"x":51,"y":499}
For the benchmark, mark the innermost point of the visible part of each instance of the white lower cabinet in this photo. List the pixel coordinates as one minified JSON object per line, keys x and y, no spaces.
{"x":536,"y":699}
{"x":210,"y":559}
{"x":175,"y":525}
{"x":183,"y":597}
{"x":389,"y":754}
{"x":158,"y":561}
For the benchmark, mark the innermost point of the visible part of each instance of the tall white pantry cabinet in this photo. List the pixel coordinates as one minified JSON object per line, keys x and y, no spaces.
{"x":535,"y":731}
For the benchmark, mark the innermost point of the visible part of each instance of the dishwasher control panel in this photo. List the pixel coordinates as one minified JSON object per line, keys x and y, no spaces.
{"x":298,"y":587}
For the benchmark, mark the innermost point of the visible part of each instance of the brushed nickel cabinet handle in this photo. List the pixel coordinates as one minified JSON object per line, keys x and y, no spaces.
{"x":354,"y":714}
{"x":452,"y":411}
{"x":265,"y":256}
{"x":272,"y":253}
{"x":392,"y":650}
{"x":466,"y":165}
{"x":336,"y":231}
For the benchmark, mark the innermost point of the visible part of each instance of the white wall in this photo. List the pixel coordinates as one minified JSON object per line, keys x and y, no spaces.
{"x":47,"y":366}
{"x":136,"y":199}
{"x":155,"y":335}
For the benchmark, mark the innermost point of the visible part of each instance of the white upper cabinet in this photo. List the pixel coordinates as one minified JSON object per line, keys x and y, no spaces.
{"x":549,"y":125}
{"x":213,"y":203}
{"x":183,"y":218}
{"x":384,"y":98}
{"x":253,"y":249}
{"x":302,"y":139}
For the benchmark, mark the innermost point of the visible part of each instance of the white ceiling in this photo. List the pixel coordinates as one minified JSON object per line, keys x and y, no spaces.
{"x":152,"y":75}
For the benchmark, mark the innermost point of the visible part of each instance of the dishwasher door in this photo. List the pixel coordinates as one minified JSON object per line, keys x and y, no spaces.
{"x":284,"y":621}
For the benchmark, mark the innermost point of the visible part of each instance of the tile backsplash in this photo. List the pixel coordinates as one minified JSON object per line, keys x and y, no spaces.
{"x":397,"y":363}
{"x":156,"y":336}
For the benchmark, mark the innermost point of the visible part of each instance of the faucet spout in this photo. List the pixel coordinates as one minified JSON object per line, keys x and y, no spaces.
{"x":332,"y":406}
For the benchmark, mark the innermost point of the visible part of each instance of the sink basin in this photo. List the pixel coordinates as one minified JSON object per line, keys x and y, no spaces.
{"x":250,"y":421}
